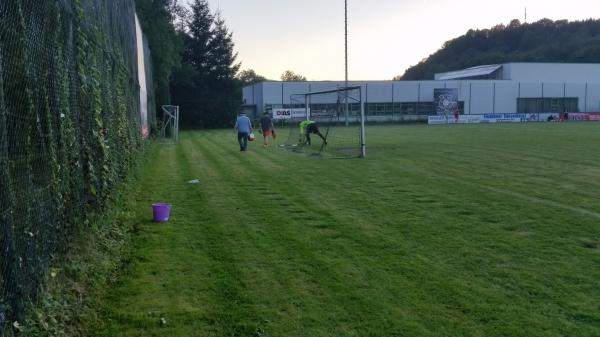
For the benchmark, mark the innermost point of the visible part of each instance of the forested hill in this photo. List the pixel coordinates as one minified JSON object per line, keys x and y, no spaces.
{"x":542,"y":41}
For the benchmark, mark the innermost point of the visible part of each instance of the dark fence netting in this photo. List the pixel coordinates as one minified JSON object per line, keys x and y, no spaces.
{"x":69,"y":129}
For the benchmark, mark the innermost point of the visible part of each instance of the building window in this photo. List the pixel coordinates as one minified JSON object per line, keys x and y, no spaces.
{"x":371,"y":109}
{"x":404,"y":108}
{"x":548,"y":105}
{"x":335,"y":109}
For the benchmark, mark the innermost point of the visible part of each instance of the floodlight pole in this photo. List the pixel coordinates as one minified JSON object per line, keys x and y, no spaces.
{"x":363,"y":142}
{"x":346,"y":55}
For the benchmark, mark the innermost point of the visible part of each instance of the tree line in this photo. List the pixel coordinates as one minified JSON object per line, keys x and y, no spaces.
{"x":195,"y":63}
{"x":542,"y":41}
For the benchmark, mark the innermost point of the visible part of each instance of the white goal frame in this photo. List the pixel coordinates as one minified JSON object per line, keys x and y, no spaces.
{"x":308,"y":95}
{"x":170,"y":121}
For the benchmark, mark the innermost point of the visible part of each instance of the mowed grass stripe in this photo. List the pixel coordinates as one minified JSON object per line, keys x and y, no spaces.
{"x":530,"y":176}
{"x":490,"y":163}
{"x":324,"y":198}
{"x":484,"y":239}
{"x":297,"y":234}
{"x":150,"y":287}
{"x":572,"y":195}
{"x":230,"y":310}
{"x":294,"y":250}
{"x":413,"y":241}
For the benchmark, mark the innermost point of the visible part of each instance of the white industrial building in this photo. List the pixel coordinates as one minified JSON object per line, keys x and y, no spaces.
{"x":509,"y":88}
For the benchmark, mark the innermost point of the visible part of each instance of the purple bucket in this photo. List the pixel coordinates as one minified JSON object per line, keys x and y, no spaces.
{"x":162,"y":212}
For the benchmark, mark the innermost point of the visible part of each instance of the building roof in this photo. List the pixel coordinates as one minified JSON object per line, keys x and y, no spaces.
{"x":478,"y":71}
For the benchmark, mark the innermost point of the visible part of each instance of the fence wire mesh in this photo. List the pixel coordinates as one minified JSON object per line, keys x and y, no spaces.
{"x":69,"y":129}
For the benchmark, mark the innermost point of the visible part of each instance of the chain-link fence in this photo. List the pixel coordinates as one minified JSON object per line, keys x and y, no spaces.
{"x":69,"y":128}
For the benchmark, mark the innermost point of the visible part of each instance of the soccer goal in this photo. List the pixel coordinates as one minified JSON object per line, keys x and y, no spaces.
{"x":330,"y":123}
{"x":170,"y":123}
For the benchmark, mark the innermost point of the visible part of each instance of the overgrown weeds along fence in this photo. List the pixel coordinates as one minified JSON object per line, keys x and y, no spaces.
{"x":69,"y":129}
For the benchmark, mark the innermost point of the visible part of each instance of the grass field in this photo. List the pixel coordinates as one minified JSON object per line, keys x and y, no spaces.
{"x":483,"y":230}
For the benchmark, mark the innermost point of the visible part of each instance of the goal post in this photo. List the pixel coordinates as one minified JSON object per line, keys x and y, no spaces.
{"x":363,"y":142}
{"x":339,"y":119}
{"x":170,"y":123}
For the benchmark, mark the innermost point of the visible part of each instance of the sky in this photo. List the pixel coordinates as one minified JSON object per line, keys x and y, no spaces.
{"x":385,"y":36}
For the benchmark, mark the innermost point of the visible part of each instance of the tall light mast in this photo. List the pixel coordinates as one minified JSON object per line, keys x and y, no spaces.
{"x":346,"y":56}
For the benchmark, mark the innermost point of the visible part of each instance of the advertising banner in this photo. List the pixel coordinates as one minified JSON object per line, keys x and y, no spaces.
{"x":299,"y":113}
{"x":289,"y":114}
{"x":445,"y":101}
{"x":583,"y":116}
{"x":467,"y":119}
{"x":462,"y":119}
{"x":504,"y":118}
{"x":282,"y":113}
{"x":437,"y":120}
{"x":514,"y":118}
{"x":535,"y":118}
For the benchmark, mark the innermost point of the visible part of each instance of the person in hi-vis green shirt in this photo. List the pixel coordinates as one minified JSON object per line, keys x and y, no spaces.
{"x":306,"y":128}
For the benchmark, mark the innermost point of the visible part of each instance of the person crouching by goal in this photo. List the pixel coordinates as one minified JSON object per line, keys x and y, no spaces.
{"x":306,"y":128}
{"x":267,"y":127}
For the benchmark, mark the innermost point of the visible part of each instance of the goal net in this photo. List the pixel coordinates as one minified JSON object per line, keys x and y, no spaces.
{"x":330,"y":123}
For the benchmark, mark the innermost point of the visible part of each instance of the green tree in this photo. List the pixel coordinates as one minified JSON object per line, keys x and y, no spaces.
{"x":190,"y":84}
{"x":223,"y":70}
{"x":249,"y":76}
{"x":222,"y":55}
{"x":542,"y":41}
{"x":156,"y":18}
{"x":198,"y":38}
{"x":290,"y":76}
{"x":206,"y":88}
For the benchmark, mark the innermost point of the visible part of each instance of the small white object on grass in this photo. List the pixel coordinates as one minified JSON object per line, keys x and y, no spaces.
{"x":163,"y":321}
{"x":195,"y":181}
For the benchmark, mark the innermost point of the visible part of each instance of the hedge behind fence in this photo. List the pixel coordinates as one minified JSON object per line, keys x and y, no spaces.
{"x":69,"y":128}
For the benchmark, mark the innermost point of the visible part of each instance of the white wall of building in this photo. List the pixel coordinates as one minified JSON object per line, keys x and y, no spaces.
{"x":530,"y":90}
{"x":593,"y":97}
{"x":248,"y":94}
{"x":142,"y":79}
{"x":378,"y":92}
{"x":574,"y":90}
{"x":554,"y":90}
{"x":551,"y":72}
{"x":272,"y":93}
{"x":405,"y":91}
{"x":478,"y":96}
{"x":294,"y":88}
{"x":482,"y":98}
{"x":505,"y":97}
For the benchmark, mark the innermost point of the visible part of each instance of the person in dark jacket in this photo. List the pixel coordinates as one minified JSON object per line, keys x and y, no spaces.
{"x":267,"y":128}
